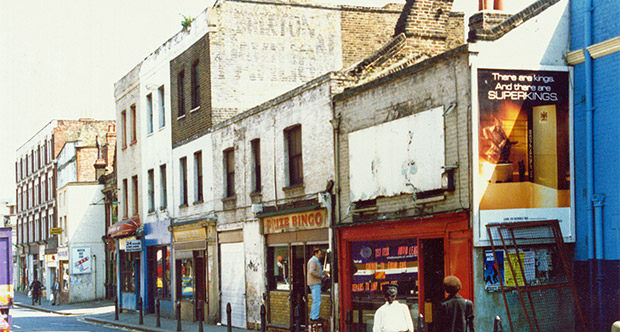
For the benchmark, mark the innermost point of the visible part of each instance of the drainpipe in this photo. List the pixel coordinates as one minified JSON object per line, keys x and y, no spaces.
{"x":590,"y":156}
{"x":335,"y":122}
{"x":599,"y":254}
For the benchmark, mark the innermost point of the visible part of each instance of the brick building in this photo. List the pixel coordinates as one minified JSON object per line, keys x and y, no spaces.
{"x":420,"y":179}
{"x":219,"y":76}
{"x":37,"y":210}
{"x":595,"y":36}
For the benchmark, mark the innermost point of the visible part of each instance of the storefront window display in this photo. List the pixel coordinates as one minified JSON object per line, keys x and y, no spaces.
{"x":185,"y":279}
{"x":129,"y":266}
{"x":163,"y":273}
{"x":279,"y":279}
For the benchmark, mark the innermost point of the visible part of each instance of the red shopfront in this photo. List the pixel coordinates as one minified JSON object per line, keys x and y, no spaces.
{"x":416,"y":254}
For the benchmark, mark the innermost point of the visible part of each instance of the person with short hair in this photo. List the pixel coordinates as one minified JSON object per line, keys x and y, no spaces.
{"x":314,"y":278}
{"x":392,"y":316}
{"x":455,"y":314}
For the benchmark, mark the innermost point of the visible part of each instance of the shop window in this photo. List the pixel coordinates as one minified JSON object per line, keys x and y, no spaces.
{"x":279,"y":268}
{"x":185,"y":278}
{"x":375,"y":263}
{"x":163,"y":273}
{"x":130,"y":262}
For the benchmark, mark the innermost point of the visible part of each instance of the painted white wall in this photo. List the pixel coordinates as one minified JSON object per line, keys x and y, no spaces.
{"x":156,"y":148}
{"x":85,"y":214}
{"x":193,"y":210}
{"x":66,"y":168}
{"x":542,"y":40}
{"x":385,"y":158}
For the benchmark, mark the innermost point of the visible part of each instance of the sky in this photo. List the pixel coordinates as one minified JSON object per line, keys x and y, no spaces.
{"x":60,"y":59}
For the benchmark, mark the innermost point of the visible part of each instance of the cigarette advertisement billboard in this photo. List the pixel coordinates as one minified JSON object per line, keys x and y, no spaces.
{"x":523,"y":141}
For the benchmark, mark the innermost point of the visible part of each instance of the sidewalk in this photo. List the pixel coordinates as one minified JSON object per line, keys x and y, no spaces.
{"x":102,"y":312}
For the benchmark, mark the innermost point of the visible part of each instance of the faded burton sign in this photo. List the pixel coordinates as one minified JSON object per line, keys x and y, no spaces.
{"x":295,"y":221}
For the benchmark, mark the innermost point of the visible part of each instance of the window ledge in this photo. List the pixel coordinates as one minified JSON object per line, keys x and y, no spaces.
{"x":182,"y":206}
{"x":293,"y":187}
{"x":151,"y":212}
{"x":149,"y":134}
{"x":195,"y":109}
{"x":198,"y":202}
{"x":133,"y":142}
{"x":124,"y":147}
{"x":256,"y":193}
{"x":181,"y":117}
{"x":229,"y":198}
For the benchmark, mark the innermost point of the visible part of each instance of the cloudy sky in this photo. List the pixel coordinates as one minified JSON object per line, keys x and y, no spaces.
{"x":60,"y":59}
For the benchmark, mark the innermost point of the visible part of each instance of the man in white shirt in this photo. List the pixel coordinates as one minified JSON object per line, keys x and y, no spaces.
{"x":392,"y":316}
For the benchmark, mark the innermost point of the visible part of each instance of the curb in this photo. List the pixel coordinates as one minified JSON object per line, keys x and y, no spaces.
{"x":119,"y":324}
{"x":45,"y":310}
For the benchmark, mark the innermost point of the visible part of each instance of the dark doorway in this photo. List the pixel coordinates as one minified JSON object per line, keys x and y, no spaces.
{"x":200,"y":295}
{"x":433,"y":272}
{"x":298,"y":291}
{"x":151,"y":279}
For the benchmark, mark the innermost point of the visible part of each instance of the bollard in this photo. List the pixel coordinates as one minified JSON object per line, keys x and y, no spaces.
{"x":229,"y":316}
{"x":497,"y":325}
{"x":157,"y":312}
{"x":263,"y":318}
{"x":115,"y":308}
{"x":349,"y":320}
{"x":141,"y":321}
{"x":200,"y":313}
{"x":420,"y":327}
{"x":178,"y":315}
{"x":297,"y":321}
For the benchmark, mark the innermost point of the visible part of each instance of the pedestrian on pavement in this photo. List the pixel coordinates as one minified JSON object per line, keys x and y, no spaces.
{"x":455,"y":313}
{"x":314,"y":278}
{"x":392,"y":316}
{"x":35,"y":288}
{"x":55,"y":289}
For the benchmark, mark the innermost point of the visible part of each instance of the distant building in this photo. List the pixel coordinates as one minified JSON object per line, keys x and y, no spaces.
{"x":37,"y":170}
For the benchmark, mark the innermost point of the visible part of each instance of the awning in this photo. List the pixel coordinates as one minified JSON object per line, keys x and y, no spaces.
{"x":124,"y":228}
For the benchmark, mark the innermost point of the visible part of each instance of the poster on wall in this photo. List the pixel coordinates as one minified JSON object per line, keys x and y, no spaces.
{"x":381,"y":262}
{"x":524,"y":169}
{"x":80,"y":260}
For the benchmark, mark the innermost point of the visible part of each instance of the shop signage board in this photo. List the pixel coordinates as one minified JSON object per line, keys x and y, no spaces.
{"x":523,"y":142}
{"x":62,"y":254}
{"x":306,"y":220}
{"x":56,"y":231}
{"x":80,"y":260}
{"x":133,"y":246}
{"x":190,"y":234}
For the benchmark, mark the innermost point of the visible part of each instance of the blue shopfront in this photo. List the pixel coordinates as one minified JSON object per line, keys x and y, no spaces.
{"x":157,"y":270}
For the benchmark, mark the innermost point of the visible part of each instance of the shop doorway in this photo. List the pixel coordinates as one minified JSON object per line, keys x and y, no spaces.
{"x":200,"y":294}
{"x":151,"y":279}
{"x":298,"y":289}
{"x":432,"y":264}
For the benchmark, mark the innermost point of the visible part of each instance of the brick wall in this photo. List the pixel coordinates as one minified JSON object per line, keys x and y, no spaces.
{"x":86,"y":158}
{"x":365,"y":30}
{"x":280,"y":308}
{"x":437,"y":82}
{"x":195,"y":120}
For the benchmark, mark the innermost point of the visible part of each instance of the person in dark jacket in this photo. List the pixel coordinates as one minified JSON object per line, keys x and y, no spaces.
{"x":456,"y":314}
{"x":35,"y":288}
